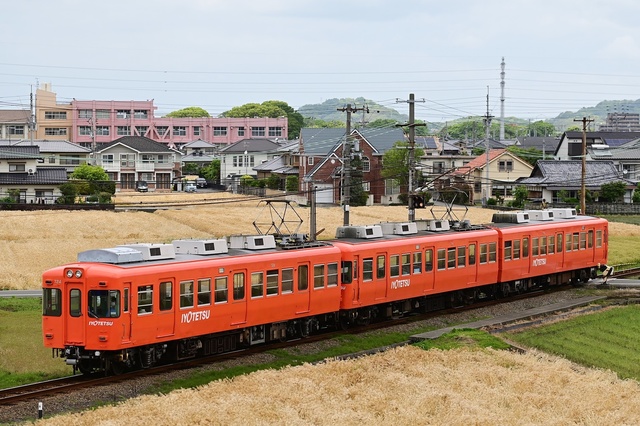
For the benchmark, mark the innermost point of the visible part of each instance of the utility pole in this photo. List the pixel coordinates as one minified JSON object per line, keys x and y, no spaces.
{"x":412,"y":144}
{"x":346,"y":163}
{"x":487,"y":129}
{"x":32,"y":119}
{"x":502,"y":64}
{"x":583,"y":199}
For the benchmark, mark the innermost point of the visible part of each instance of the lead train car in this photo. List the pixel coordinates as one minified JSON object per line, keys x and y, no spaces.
{"x":131,"y":306}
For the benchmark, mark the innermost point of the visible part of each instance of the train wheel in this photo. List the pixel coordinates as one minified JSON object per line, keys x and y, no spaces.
{"x":305,"y":328}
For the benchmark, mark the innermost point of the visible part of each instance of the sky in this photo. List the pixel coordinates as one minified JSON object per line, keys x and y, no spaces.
{"x":559,"y":55}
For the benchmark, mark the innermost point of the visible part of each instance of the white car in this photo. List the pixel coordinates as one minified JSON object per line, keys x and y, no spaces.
{"x":190,"y":187}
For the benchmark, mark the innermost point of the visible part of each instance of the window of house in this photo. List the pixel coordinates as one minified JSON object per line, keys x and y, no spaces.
{"x":179,"y":131}
{"x":72,"y":160}
{"x":55,"y":131}
{"x":505,"y":165}
{"x":102,"y":130}
{"x":15,"y":130}
{"x":240,"y":131}
{"x":275,"y":132}
{"x":122,"y":113}
{"x":85,"y":113}
{"x":141,"y":113}
{"x":219,"y":131}
{"x":141,"y":130}
{"x":366,"y":165}
{"x":55,"y":115}
{"x":257,"y":131}
{"x":17,"y":167}
{"x":162,"y":130}
{"x":123,"y":130}
{"x":107,"y":158}
{"x":103,"y":113}
{"x":84,"y":130}
{"x":197,"y":130}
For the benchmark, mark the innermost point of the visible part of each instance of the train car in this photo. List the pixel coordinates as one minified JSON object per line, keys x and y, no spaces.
{"x":548,"y":247}
{"x":394,"y":268}
{"x":132,"y":306}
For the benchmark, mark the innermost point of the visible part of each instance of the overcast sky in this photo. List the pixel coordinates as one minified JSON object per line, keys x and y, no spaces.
{"x":560,"y":55}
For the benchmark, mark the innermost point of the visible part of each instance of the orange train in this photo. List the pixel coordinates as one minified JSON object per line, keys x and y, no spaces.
{"x":133,"y":306}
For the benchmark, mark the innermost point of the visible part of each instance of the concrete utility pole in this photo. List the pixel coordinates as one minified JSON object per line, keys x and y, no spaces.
{"x":346,"y":163}
{"x":583,"y":192}
{"x":487,"y":130}
{"x":502,"y":100}
{"x":412,"y":144}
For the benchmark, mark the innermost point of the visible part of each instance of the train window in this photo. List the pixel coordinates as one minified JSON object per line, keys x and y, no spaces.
{"x":272,"y":282}
{"x":367,"y":269}
{"x":104,"y":303}
{"x":535,"y":246}
{"x":332,"y":274}
{"x":238,"y":286}
{"x":257,"y":284}
{"x":492,"y":252}
{"x":125,"y":302}
{"x":114,"y":303}
{"x":462,"y":257}
{"x":525,"y":247}
{"x":507,"y":250}
{"x":568,"y":243}
{"x":406,"y":264}
{"x":516,"y":249}
{"x":472,"y":254}
{"x":381,"y":269}
{"x":543,"y":246}
{"x":451,"y":257}
{"x":590,"y":239}
{"x":318,"y":276}
{"x":221,"y":294}
{"x":347,"y":266}
{"x":186,"y":294}
{"x":483,"y":253}
{"x":287,"y":280}
{"x":576,"y":241}
{"x":428,"y":260}
{"x":204,"y":291}
{"x":552,"y":244}
{"x":417,"y":262}
{"x":303,"y":277}
{"x":166,"y":296}
{"x":75,"y":303}
{"x":394,"y":265}
{"x":51,"y":302}
{"x":583,"y":240}
{"x":145,"y":299}
{"x":598,"y":238}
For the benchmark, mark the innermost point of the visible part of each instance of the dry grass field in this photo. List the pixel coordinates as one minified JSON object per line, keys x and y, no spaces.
{"x":36,"y":241}
{"x":403,"y":386}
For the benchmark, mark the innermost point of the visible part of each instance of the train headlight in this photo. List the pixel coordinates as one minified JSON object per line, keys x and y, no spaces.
{"x":97,"y":353}
{"x":69,"y":273}
{"x":78,"y":273}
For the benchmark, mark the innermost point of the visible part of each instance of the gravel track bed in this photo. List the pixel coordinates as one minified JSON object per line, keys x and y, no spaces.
{"x":81,"y":400}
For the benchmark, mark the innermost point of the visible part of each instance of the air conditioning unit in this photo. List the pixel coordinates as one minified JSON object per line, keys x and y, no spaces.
{"x":30,"y":171}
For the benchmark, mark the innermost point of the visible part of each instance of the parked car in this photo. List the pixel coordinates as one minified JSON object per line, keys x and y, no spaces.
{"x":141,"y":186}
{"x":190,"y":187}
{"x":201,"y":183}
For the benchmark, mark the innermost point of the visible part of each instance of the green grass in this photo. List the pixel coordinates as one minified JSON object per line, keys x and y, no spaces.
{"x":463,"y":338}
{"x":608,"y":340}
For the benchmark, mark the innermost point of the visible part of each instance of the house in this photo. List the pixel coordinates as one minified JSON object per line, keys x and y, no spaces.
{"x":493,"y":174}
{"x":199,"y":152}
{"x":19,"y":172}
{"x":135,"y":158}
{"x":321,"y":161}
{"x":57,"y":153}
{"x":284,"y":164}
{"x":550,"y":179}
{"x":239,"y":159}
{"x":570,"y":145}
{"x":14,"y":124}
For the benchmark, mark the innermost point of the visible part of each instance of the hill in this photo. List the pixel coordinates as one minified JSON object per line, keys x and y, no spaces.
{"x":328,"y":110}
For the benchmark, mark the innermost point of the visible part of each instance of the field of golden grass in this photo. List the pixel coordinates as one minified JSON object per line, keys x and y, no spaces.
{"x":402,"y":386}
{"x":36,"y":241}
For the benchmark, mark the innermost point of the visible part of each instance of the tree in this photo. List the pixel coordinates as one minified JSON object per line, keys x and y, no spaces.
{"x":292,"y":183}
{"x":189,"y":112}
{"x":520,"y":195}
{"x":541,"y":128}
{"x":530,"y":155}
{"x":612,"y":192}
{"x":211,"y":172}
{"x":272,"y":109}
{"x":395,"y":162}
{"x":96,"y":180}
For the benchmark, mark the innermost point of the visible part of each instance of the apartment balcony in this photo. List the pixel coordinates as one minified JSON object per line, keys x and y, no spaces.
{"x":137,"y":167}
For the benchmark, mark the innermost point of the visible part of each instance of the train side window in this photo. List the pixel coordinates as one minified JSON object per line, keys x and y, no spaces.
{"x":583,"y":240}
{"x":462,"y":257}
{"x":492,"y":252}
{"x":303,"y":277}
{"x":535,"y":246}
{"x":417,"y":262}
{"x":204,"y":291}
{"x":568,"y":243}
{"x":125,"y":302}
{"x":332,"y":274}
{"x":406,"y":264}
{"x":381,"y":269}
{"x":347,"y":267}
{"x":442,"y":259}
{"x":559,"y":243}
{"x":590,"y":239}
{"x":428,"y":260}
{"x":483,"y":253}
{"x":287,"y":280}
{"x":552,"y":244}
{"x":367,"y":269}
{"x":166,"y":296}
{"x":145,"y":299}
{"x":186,"y":294}
{"x":543,"y":246}
{"x":318,"y":276}
{"x":472,"y":254}
{"x":451,"y":257}
{"x":394,"y":265}
{"x":75,"y":309}
{"x":238,"y":286}
{"x":598,"y":238}
{"x":525,"y":247}
{"x":507,"y":250}
{"x":576,"y":241}
{"x":221,"y":290}
{"x":272,"y":282}
{"x":51,"y":306}
{"x":516,"y":249}
{"x":114,"y":303}
{"x":257,"y":284}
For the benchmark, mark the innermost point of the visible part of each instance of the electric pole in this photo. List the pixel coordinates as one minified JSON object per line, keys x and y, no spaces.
{"x":487,"y":129}
{"x":412,"y":144}
{"x":583,"y":191}
{"x":346,"y":163}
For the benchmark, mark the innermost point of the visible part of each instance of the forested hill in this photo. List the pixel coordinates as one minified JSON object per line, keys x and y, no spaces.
{"x":328,"y":110}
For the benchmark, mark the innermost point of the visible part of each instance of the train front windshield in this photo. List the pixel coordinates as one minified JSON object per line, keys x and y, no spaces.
{"x":104,"y":303}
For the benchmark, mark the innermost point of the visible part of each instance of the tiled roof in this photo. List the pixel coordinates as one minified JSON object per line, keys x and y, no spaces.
{"x":15,"y":116}
{"x":199,"y":143}
{"x":480,"y":161}
{"x":569,"y":173}
{"x":21,"y":152}
{"x":251,"y":145}
{"x":42,"y":176}
{"x":138,"y":143}
{"x":321,"y":141}
{"x":47,"y":145}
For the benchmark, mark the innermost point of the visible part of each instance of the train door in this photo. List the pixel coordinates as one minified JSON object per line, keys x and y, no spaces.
{"x":303,"y":301}
{"x":75,"y":318}
{"x":125,"y":309}
{"x":429,"y":270}
{"x":239,"y":302}
{"x":165,"y":324}
{"x":380,"y":281}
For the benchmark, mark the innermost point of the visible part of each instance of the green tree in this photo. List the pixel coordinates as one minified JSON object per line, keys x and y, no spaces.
{"x":395,"y":162}
{"x":530,"y":155}
{"x":211,"y":172}
{"x":189,"y":112}
{"x":96,"y":180}
{"x":316,"y":123}
{"x":292,"y":183}
{"x":190,"y":169}
{"x":272,"y":109}
{"x":541,"y":128}
{"x":612,"y":192}
{"x":68,"y":191}
{"x":273,"y":182}
{"x":520,"y":195}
